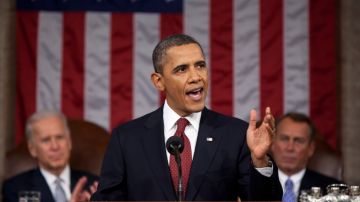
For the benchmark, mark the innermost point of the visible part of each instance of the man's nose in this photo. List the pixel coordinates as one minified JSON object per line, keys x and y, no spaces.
{"x":290,"y":145}
{"x":54,"y":144}
{"x":194,"y":75}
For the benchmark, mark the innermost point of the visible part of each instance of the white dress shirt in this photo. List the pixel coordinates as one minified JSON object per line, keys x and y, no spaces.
{"x":65,"y":180}
{"x":296,"y":179}
{"x":170,"y":117}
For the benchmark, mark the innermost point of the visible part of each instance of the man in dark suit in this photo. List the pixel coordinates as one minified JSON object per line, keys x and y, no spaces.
{"x":293,"y":145}
{"x":224,"y":158}
{"x":49,"y":142}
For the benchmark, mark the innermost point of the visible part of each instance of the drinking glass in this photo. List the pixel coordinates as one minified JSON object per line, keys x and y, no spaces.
{"x":29,"y":196}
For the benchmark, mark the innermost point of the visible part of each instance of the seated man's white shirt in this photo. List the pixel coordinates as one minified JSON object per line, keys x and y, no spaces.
{"x":170,"y":117}
{"x":65,"y":181}
{"x":296,"y":179}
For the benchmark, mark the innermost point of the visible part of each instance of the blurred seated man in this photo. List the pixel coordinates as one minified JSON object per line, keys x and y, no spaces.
{"x":293,"y":145}
{"x":49,"y":141}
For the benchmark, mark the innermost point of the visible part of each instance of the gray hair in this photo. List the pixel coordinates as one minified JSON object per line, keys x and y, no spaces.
{"x":169,"y":42}
{"x":300,"y":118}
{"x":42,"y":115}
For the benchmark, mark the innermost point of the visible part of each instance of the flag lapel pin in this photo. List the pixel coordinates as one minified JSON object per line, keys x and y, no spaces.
{"x":209,"y":139}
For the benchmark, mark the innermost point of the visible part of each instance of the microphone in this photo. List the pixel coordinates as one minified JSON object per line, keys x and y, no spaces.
{"x":175,"y":145}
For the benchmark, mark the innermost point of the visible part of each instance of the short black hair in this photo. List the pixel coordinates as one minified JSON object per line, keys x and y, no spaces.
{"x":300,"y":118}
{"x":170,"y":41}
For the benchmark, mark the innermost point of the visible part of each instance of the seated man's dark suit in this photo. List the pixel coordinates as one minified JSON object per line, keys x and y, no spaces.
{"x":33,"y":180}
{"x":315,"y":179}
{"x":135,"y":165}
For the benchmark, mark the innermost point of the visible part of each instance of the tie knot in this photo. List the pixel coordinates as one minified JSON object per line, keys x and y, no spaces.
{"x":181,"y":124}
{"x":57,"y":181}
{"x":289,"y":184}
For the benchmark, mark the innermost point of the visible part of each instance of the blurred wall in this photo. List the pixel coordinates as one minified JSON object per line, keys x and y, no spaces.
{"x":348,"y":69}
{"x":7,"y":78}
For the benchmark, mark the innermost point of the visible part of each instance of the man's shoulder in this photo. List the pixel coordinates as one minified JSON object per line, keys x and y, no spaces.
{"x":214,"y":116}
{"x":22,"y":178}
{"x":23,"y":181}
{"x":142,"y":120}
{"x":79,"y":173}
{"x":24,"y":174}
{"x":319,"y":176}
{"x":314,"y":178}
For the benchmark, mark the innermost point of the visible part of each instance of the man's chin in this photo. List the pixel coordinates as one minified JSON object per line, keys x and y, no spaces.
{"x":197,"y":108}
{"x":287,"y":167}
{"x":57,"y":165}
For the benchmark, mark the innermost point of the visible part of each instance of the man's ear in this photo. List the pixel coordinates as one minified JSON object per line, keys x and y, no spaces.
{"x":70,"y":142}
{"x":157,"y":80}
{"x":32,"y":149}
{"x":312,"y":148}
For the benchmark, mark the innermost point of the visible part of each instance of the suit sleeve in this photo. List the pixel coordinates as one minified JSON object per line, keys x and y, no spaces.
{"x":269,"y":187}
{"x":252,"y":185}
{"x":112,"y":184}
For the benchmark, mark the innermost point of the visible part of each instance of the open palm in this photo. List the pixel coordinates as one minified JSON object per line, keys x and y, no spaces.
{"x":259,"y":139}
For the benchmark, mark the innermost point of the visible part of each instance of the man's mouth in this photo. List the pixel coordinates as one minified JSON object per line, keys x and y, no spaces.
{"x":195,"y":94}
{"x":289,"y":159}
{"x":56,"y":157}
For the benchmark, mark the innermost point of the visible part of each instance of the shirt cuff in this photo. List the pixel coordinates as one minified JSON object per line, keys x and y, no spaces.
{"x":266,"y":171}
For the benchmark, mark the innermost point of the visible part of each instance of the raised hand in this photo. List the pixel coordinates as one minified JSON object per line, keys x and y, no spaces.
{"x":259,"y":139}
{"x":80,"y":194}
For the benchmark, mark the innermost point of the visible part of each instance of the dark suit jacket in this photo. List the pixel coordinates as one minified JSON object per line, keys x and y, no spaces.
{"x":135,"y":165}
{"x":33,"y":180}
{"x":312,"y":179}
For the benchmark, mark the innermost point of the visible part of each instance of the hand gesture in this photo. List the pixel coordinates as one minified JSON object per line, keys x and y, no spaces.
{"x":80,"y":194}
{"x":259,"y":139}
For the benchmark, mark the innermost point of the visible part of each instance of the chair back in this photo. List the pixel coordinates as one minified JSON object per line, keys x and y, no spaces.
{"x":326,"y":160}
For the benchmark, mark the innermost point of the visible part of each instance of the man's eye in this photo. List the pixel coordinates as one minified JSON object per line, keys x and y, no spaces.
{"x":300,"y":141}
{"x":180,"y":69}
{"x":45,"y":140}
{"x":202,"y":65}
{"x":60,"y":137}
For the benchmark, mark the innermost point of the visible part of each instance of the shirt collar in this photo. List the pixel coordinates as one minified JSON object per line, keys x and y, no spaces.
{"x":50,"y":178}
{"x":170,"y":118}
{"x":296,"y":178}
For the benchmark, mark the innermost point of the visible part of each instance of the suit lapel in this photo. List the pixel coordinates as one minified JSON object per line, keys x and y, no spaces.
{"x":306,"y":181}
{"x":303,"y":183}
{"x":206,"y":146}
{"x":74,"y":178}
{"x":40,"y":184}
{"x":155,"y":153}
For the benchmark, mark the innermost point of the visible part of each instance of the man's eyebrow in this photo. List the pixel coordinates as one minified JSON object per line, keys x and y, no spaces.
{"x":200,"y":62}
{"x":283,"y":135}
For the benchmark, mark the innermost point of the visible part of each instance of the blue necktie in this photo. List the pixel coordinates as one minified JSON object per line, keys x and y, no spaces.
{"x":289,"y":195}
{"x":59,"y":191}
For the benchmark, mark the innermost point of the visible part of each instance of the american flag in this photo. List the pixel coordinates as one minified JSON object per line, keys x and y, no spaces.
{"x":91,"y":59}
